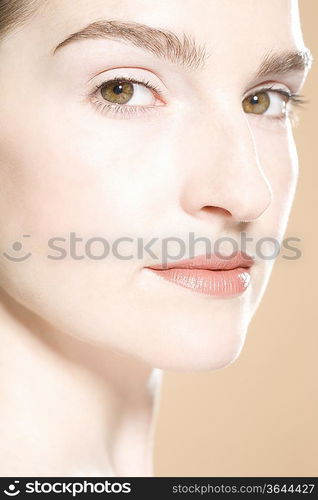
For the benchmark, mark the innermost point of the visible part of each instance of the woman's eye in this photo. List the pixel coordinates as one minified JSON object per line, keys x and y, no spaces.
{"x":124,"y":92}
{"x":269,"y":102}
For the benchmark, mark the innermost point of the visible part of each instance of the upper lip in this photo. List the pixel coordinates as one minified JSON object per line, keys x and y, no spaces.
{"x":209,"y":262}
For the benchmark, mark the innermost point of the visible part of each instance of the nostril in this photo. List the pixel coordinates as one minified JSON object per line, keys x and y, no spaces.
{"x":216,"y":210}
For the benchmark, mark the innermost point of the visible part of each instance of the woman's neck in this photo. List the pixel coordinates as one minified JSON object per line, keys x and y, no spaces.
{"x":69,"y":408}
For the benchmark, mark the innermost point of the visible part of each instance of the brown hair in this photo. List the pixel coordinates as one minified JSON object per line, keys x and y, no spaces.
{"x":14,"y":13}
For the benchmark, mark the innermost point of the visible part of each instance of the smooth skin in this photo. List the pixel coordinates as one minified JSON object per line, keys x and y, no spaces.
{"x":84,"y":341}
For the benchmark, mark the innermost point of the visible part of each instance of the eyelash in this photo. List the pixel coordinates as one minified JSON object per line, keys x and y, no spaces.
{"x":124,"y":111}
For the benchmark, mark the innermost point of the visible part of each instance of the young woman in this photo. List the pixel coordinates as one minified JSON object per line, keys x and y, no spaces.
{"x":133,"y":132}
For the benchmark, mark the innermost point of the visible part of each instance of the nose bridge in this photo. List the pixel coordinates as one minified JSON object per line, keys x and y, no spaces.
{"x":226,"y":172}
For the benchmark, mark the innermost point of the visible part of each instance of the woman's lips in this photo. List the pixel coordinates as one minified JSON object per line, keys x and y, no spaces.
{"x":210,"y":275}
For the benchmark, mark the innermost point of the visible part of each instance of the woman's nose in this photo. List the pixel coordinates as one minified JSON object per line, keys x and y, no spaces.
{"x":223,"y":171}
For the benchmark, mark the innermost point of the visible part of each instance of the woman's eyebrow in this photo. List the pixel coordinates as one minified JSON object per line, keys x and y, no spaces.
{"x":185,"y":51}
{"x":163,"y":43}
{"x":284,"y":62}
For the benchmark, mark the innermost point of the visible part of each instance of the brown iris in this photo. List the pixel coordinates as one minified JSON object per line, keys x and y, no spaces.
{"x":118,"y":92}
{"x":256,"y":103}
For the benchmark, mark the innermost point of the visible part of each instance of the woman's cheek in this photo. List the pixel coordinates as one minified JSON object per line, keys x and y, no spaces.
{"x":278,"y":160}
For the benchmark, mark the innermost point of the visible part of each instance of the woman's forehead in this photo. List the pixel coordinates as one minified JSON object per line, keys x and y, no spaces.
{"x":234,"y":37}
{"x":214,"y":22}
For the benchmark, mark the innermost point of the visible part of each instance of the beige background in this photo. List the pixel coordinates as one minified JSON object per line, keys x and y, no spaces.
{"x":259,"y":416}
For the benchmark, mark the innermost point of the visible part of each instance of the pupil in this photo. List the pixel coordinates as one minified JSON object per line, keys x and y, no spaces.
{"x":118,"y":89}
{"x":254,"y":99}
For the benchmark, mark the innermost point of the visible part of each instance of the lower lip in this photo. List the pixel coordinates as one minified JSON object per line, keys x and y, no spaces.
{"x":221,"y":283}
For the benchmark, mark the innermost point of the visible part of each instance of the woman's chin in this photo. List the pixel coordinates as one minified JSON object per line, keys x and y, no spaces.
{"x":197,"y":352}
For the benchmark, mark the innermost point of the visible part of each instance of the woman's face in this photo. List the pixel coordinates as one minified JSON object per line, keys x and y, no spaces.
{"x":171,"y":152}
